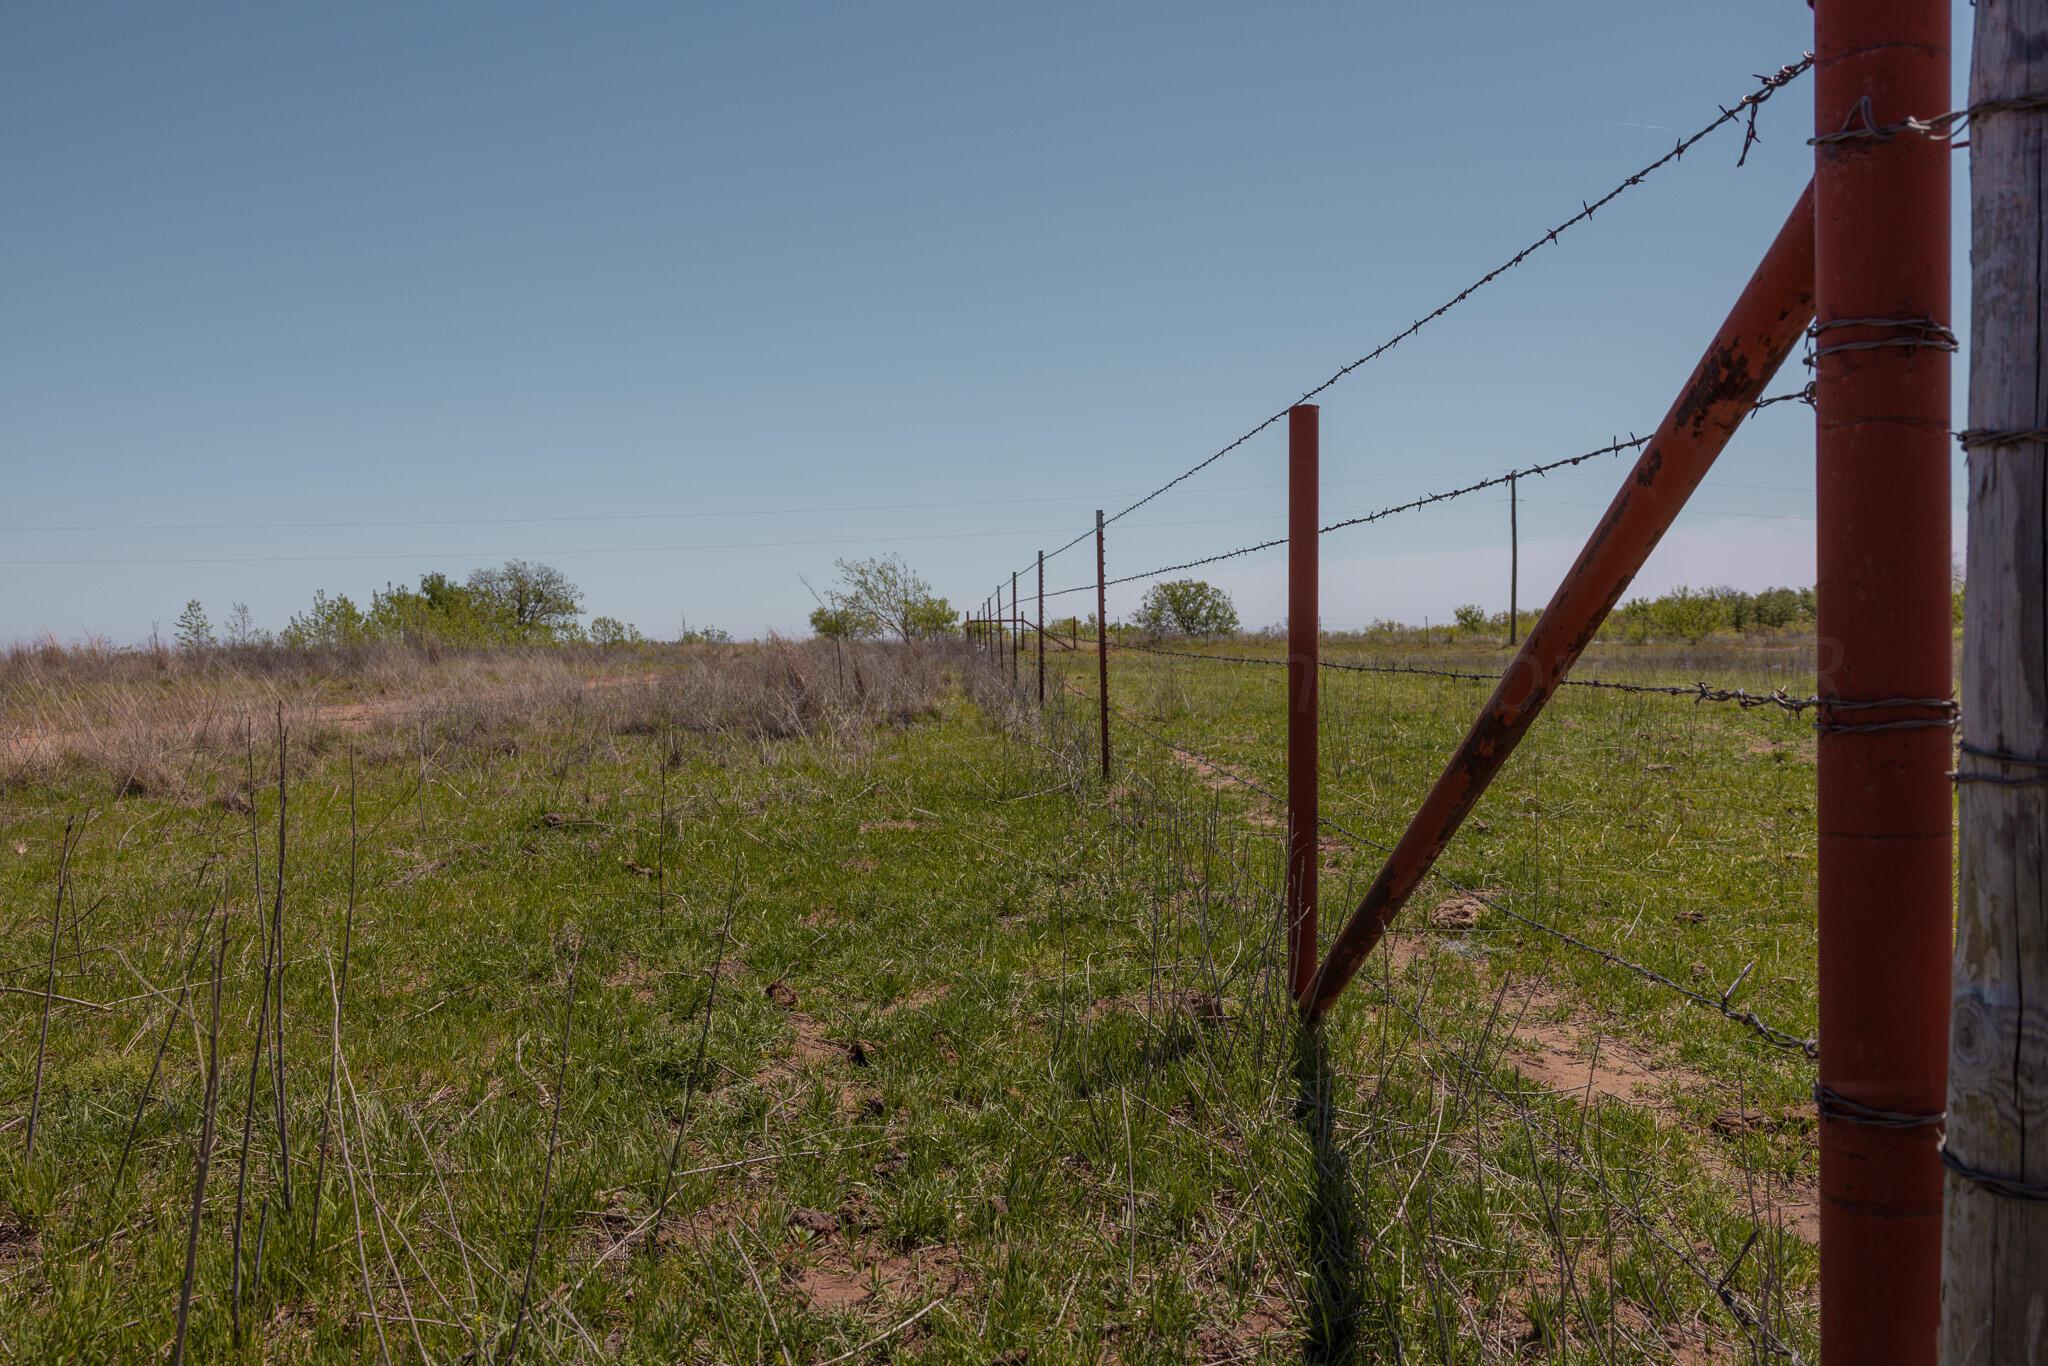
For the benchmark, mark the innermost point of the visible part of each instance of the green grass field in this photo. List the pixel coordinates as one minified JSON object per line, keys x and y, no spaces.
{"x":941,"y":1050}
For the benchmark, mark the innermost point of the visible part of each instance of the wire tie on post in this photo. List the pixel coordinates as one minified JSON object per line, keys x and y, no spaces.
{"x":1919,"y":334}
{"x":2003,"y":1186}
{"x":1832,"y":1104}
{"x":1972,"y":438}
{"x":1945,"y":705}
{"x":1862,"y":121}
{"x":2000,"y":756}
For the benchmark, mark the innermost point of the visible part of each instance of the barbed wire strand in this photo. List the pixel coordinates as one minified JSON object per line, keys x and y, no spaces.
{"x":1744,"y":108}
{"x":1695,"y":692}
{"x":1633,"y":443}
{"x":1721,"y":1004}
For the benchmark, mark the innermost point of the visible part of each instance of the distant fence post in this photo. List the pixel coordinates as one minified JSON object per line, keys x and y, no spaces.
{"x":1016,"y":630}
{"x":1303,"y":625}
{"x":1994,"y":1292}
{"x":1514,"y":566}
{"x":1102,"y":643}
{"x":1881,"y":372}
{"x":1041,"y":628}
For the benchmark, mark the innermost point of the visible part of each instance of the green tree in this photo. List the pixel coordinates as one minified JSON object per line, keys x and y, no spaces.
{"x":195,"y":632}
{"x":1471,"y":618}
{"x":1186,"y":607}
{"x":328,"y":622}
{"x":611,"y":631}
{"x":883,"y":596}
{"x":838,"y":623}
{"x":439,"y":610}
{"x":536,"y":601}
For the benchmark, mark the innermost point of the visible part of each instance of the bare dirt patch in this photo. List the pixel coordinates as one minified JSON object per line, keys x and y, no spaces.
{"x":919,"y":999}
{"x":850,"y":1275}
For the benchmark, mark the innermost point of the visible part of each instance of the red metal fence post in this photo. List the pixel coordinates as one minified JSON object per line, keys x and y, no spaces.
{"x":1304,"y":615}
{"x":1759,"y":333}
{"x":1041,"y":628}
{"x":1881,"y":298}
{"x":1102,"y":642}
{"x":1514,"y":567}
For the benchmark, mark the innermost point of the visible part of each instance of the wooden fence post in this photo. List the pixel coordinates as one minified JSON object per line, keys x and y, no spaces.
{"x":1995,"y":1243}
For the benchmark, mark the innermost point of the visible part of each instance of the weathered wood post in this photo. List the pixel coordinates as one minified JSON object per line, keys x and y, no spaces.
{"x":1995,"y":1249}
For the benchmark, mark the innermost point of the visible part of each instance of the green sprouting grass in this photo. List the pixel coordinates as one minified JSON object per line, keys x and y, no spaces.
{"x":996,"y":1068}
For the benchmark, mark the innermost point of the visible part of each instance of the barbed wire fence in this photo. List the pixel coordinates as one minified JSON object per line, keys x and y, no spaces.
{"x":1752,"y":1257}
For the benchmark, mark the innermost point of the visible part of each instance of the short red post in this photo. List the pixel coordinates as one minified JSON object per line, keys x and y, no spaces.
{"x":1041,"y":628}
{"x":1881,"y":356}
{"x":1303,"y":626}
{"x":1102,"y":642}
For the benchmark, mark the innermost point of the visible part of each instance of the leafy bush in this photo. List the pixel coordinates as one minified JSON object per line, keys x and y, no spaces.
{"x":1186,"y":607}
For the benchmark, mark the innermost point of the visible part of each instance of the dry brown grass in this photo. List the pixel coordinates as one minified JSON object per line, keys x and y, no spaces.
{"x":158,"y":722}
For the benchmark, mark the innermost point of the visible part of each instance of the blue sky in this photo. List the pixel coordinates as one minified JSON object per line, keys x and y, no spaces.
{"x":690,"y":301}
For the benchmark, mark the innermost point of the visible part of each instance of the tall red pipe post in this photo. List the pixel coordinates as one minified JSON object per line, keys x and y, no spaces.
{"x":1304,"y":614}
{"x":1881,"y":354}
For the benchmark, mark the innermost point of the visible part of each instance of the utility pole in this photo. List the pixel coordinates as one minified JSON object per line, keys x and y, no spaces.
{"x":1994,"y":1281}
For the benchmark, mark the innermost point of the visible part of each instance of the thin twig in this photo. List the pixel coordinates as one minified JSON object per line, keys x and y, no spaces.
{"x":206,"y":1127}
{"x":675,"y":1151}
{"x":547,"y":1170}
{"x":35,"y":1104}
{"x":348,"y":928}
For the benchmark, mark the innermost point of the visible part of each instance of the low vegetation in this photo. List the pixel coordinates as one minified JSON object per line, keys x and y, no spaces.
{"x":816,"y":1002}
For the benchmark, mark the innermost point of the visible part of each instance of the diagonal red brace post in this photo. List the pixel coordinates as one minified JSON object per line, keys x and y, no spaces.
{"x":1760,"y":332}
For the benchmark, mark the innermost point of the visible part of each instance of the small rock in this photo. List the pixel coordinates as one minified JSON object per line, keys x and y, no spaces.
{"x":780,"y":992}
{"x":817,"y":1221}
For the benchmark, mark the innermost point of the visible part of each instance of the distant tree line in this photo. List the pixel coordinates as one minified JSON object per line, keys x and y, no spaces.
{"x":516,"y":603}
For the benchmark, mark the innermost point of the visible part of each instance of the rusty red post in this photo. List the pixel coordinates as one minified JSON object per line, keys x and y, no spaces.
{"x":1102,"y":642}
{"x":1514,"y":566}
{"x":1760,"y":331}
{"x":1304,"y":615}
{"x":1041,"y":628}
{"x":1881,"y":358}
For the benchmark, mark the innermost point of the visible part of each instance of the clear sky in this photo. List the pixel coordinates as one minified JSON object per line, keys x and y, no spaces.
{"x":690,"y":300}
